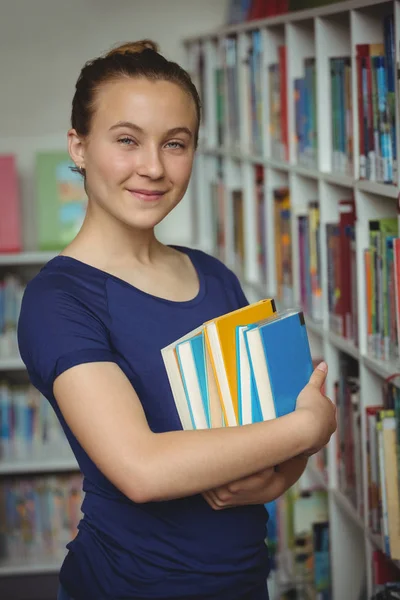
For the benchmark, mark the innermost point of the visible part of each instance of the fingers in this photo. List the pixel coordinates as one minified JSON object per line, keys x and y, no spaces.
{"x":239,"y":492}
{"x":318,"y":377}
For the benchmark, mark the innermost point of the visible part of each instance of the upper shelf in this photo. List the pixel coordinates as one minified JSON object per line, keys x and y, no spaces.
{"x":25,"y":258}
{"x":290,"y":17}
{"x":371,"y":187}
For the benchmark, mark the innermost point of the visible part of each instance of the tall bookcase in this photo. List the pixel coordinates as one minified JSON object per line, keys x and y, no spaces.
{"x":24,"y":460}
{"x":233,"y":144}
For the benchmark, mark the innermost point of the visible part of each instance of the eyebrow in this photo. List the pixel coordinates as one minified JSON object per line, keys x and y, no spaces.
{"x":129,"y":125}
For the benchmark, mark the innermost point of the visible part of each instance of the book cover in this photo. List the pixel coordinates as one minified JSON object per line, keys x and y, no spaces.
{"x":61,"y":200}
{"x":173,"y":372}
{"x":191,"y":359}
{"x":220,"y":336}
{"x":10,"y":226}
{"x":281,"y":360}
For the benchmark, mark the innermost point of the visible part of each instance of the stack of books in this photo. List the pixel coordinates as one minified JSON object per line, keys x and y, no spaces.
{"x":246,"y":366}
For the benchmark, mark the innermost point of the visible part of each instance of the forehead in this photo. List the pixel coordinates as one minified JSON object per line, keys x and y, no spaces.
{"x":149,"y":104}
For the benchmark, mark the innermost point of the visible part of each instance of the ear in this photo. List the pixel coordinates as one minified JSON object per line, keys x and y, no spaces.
{"x":76,"y":148}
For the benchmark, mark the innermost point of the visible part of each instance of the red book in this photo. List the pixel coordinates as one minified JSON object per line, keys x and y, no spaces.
{"x":272,"y":8}
{"x":257,"y":10}
{"x":10,"y":226}
{"x":347,"y":218}
{"x":282,"y":7}
{"x":384,"y":570}
{"x":363,"y":116}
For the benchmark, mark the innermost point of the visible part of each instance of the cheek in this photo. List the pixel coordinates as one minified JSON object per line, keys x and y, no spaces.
{"x":112,"y":165}
{"x":180,"y":170}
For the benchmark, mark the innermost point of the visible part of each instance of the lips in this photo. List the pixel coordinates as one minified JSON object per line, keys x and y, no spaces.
{"x":147,"y":195}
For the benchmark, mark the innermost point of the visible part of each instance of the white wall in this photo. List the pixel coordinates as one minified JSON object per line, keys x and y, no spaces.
{"x":43,"y":46}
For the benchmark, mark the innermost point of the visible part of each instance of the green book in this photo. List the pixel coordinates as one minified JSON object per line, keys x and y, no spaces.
{"x":60,"y":199}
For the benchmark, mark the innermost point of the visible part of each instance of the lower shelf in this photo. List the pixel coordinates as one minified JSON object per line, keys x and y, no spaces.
{"x":31,"y":566}
{"x":18,"y":467}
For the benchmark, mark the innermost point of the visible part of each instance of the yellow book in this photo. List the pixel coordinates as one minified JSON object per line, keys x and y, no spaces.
{"x":391,"y":482}
{"x":220,"y":337}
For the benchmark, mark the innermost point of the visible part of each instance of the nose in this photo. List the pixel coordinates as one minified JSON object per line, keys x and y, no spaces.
{"x":150,"y":163}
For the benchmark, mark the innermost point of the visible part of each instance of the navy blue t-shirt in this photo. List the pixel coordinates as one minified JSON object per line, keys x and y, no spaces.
{"x":73,"y":313}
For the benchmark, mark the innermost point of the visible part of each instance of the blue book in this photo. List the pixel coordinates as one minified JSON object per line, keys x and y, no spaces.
{"x":192,"y":365}
{"x":280,"y":359}
{"x":248,"y":400}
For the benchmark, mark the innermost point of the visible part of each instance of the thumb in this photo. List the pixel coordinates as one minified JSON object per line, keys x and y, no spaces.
{"x":318,"y":377}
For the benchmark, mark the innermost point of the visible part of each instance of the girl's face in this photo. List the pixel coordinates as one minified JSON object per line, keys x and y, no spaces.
{"x":139,"y":153}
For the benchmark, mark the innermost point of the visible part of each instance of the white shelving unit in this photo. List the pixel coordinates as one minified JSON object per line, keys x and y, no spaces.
{"x":324,"y":32}
{"x":27,"y":264}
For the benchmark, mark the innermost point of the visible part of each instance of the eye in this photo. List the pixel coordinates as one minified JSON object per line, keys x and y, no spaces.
{"x":176,"y":145}
{"x":126,"y":141}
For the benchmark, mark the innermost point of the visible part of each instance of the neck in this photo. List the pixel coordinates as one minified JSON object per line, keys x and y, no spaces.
{"x":103,"y":240}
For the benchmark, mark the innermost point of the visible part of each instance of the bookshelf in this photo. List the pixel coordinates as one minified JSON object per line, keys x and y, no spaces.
{"x":20,"y":461}
{"x":323,"y":168}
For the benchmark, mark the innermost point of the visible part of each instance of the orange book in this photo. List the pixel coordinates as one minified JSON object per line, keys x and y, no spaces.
{"x":282,"y":240}
{"x":220,"y":337}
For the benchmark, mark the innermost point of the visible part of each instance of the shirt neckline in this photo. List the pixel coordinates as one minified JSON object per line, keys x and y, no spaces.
{"x":184,"y":250}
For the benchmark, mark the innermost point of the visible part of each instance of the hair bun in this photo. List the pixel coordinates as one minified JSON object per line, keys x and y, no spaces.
{"x":134,"y":47}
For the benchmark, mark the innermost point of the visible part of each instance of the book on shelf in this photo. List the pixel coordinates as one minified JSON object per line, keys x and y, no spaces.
{"x":342,"y":269}
{"x":231,"y":62}
{"x":386,"y":577}
{"x":302,"y":540}
{"x":342,"y":115}
{"x":249,"y":10}
{"x":221,"y":196}
{"x":40,"y":516}
{"x":376,"y":65}
{"x":383,"y":452}
{"x":382,"y":285}
{"x":61,"y":200}
{"x":381,"y":443}
{"x":237,"y":199}
{"x":11,"y":291}
{"x":278,"y":109}
{"x":309,"y":260}
{"x":348,"y":435}
{"x":29,"y":428}
{"x":255,"y":93}
{"x":261,"y":223}
{"x":218,"y":224}
{"x":283,"y":246}
{"x":306,"y":115}
{"x":10,"y":210}
{"x":233,"y":369}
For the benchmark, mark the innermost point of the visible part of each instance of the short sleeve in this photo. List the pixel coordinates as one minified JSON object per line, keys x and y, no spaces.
{"x":57,"y":331}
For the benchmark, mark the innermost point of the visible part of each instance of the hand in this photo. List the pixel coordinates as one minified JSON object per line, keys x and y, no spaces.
{"x":248,"y":490}
{"x":320,"y":408}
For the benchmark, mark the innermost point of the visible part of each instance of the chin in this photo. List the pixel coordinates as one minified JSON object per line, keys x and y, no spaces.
{"x":145,"y":223}
{"x":146,"y":219}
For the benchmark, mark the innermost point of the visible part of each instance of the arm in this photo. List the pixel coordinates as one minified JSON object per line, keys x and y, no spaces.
{"x":105,"y":414}
{"x":260,"y":488}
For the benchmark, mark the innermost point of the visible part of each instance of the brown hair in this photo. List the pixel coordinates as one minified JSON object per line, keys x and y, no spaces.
{"x":133,"y":59}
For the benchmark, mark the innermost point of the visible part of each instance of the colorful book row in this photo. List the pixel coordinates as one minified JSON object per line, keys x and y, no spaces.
{"x":60,"y":201}
{"x":39,"y":516}
{"x":29,"y":428}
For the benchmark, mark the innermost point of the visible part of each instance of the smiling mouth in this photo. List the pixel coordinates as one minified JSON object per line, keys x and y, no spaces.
{"x":147,"y":195}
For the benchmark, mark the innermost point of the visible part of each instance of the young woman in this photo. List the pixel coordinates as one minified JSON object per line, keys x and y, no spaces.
{"x":168,"y":513}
